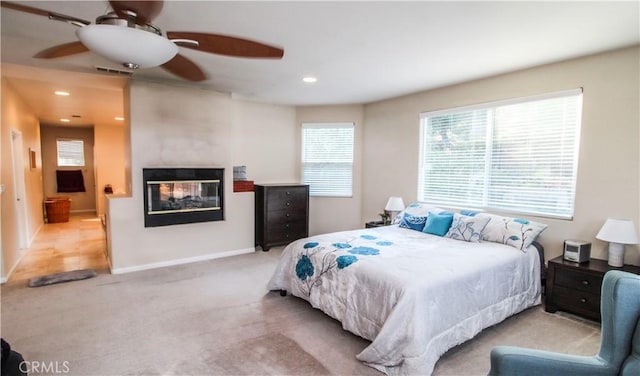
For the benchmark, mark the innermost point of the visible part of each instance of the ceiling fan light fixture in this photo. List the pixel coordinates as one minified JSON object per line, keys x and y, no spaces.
{"x":131,"y":47}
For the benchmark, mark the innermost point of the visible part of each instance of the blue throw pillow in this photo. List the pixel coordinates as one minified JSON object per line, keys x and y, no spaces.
{"x":438,"y":224}
{"x":413,"y":222}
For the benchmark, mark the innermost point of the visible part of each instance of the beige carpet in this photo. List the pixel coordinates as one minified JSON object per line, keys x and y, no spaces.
{"x":272,"y":354}
{"x":216,"y":318}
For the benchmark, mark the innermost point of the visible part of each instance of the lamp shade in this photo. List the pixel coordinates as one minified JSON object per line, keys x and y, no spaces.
{"x":622,"y":231}
{"x":394,"y":204}
{"x":127,"y":45}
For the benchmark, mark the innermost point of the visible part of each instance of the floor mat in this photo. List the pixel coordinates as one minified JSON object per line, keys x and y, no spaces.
{"x":50,"y":279}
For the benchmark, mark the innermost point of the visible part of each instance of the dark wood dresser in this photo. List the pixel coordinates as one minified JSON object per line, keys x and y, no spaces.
{"x":282,"y":214}
{"x":575,"y":288}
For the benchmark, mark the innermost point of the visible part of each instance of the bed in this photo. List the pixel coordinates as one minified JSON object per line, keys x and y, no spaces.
{"x":413,"y":294}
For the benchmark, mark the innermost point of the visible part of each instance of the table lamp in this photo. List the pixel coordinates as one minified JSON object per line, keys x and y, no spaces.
{"x":618,"y":232}
{"x":394,"y":206}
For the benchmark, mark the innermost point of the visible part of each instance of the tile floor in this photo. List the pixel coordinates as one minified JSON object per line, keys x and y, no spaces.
{"x":60,"y":247}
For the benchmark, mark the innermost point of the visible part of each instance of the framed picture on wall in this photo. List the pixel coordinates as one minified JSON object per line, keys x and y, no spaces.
{"x":32,"y":159}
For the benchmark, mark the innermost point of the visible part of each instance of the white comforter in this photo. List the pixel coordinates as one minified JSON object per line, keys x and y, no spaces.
{"x":414,"y":295}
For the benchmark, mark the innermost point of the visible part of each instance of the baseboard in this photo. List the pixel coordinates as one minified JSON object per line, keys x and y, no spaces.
{"x":82,"y":211}
{"x":15,"y":265}
{"x":187,"y":260}
{"x":35,"y":234}
{"x":27,"y":250}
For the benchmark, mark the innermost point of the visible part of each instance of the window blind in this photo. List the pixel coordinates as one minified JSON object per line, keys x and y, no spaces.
{"x":70,"y":152}
{"x":327,"y":158}
{"x":518,"y":155}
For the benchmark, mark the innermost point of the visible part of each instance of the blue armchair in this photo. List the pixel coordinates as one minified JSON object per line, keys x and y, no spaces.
{"x":619,"y":348}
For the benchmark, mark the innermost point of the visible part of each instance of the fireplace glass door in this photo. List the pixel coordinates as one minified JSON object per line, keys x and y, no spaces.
{"x":182,"y":196}
{"x":174,"y":196}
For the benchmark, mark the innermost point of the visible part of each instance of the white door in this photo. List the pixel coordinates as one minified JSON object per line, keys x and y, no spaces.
{"x":19,"y":189}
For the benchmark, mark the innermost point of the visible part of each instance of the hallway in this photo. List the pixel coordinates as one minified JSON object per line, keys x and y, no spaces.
{"x":60,"y":247}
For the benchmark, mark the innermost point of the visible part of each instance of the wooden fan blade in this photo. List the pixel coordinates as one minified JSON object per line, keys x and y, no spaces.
{"x":44,"y":13}
{"x":145,"y":11}
{"x":62,"y":50}
{"x":227,"y":45}
{"x":185,"y":68}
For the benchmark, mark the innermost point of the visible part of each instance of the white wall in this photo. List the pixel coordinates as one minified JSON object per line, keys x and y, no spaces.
{"x":608,"y":172}
{"x":17,"y":115}
{"x":329,"y":214}
{"x":188,"y":127}
{"x":178,"y":126}
{"x":264,"y":139}
{"x":109,"y":161}
{"x":267,"y":140}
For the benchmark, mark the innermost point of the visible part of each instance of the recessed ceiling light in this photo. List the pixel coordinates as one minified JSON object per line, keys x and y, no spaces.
{"x":309,"y":79}
{"x":62,"y":93}
{"x":119,"y":118}
{"x":65,"y":120}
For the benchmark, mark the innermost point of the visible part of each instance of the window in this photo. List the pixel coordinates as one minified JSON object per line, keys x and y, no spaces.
{"x":327,"y":159}
{"x":519,"y":155}
{"x":70,"y":152}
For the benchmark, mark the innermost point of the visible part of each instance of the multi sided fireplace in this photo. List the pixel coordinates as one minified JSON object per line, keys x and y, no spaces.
{"x":182,"y":195}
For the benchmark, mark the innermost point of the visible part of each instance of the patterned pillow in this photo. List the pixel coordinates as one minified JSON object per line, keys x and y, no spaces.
{"x":438,"y":224}
{"x":416,"y":208}
{"x":467,"y":228}
{"x":413,"y":222}
{"x":516,"y":232}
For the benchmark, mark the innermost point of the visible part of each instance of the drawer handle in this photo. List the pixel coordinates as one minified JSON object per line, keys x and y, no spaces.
{"x":585,"y":282}
{"x":287,"y":225}
{"x":288,"y":204}
{"x":288,"y":193}
{"x":583,"y":300}
{"x":288,"y":215}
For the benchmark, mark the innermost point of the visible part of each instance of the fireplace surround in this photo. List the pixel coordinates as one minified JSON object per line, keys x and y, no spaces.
{"x":174,"y":196}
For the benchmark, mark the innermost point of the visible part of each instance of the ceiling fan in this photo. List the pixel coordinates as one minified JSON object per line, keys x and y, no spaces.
{"x":126,"y":36}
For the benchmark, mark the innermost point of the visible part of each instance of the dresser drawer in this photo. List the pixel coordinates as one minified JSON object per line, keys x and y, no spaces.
{"x":295,"y":213}
{"x":577,"y":280}
{"x":285,"y":205}
{"x":287,"y":232}
{"x":579,"y":302}
{"x":286,"y":198}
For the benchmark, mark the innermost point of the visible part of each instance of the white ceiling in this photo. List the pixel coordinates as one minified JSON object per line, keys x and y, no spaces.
{"x":360,"y":51}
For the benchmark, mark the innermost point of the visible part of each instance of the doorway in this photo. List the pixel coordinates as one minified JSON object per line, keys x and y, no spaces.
{"x":78,"y":243}
{"x":20,"y":195}
{"x":93,"y":96}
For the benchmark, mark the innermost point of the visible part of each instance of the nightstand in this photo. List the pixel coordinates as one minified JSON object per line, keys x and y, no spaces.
{"x":575,"y":288}
{"x":375,"y":224}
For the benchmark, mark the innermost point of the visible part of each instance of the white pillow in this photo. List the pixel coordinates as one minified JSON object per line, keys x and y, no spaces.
{"x":467,"y":228}
{"x":516,"y":232}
